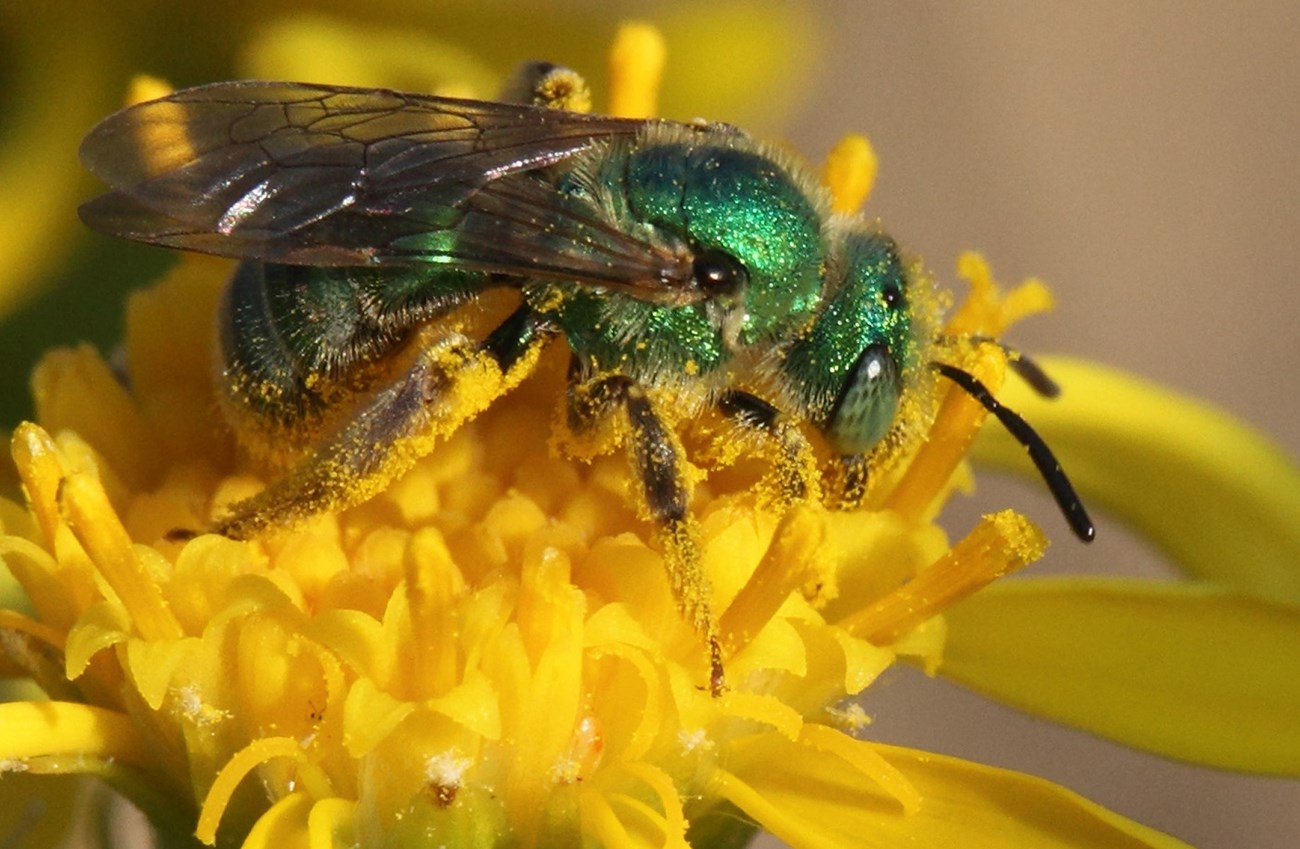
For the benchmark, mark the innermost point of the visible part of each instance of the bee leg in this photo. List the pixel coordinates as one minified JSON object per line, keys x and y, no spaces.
{"x":795,"y":467}
{"x":796,"y":471}
{"x":654,"y":453}
{"x":850,"y":482}
{"x":398,"y":424}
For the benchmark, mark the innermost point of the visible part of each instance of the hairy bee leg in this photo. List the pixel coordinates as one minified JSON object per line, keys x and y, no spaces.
{"x":795,"y":469}
{"x":397,"y":425}
{"x":796,"y":472}
{"x":654,"y":455}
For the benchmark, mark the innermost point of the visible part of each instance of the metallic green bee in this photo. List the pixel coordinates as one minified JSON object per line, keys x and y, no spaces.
{"x":682,"y":257}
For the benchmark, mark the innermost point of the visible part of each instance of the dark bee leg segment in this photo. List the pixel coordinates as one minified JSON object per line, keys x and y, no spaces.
{"x":794,"y":465}
{"x":851,"y":481}
{"x":398,"y":423}
{"x":654,"y":455}
{"x":515,"y":337}
{"x":1044,"y":460}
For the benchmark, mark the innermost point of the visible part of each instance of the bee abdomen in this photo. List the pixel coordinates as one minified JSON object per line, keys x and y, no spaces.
{"x":266,"y":363}
{"x":295,"y":340}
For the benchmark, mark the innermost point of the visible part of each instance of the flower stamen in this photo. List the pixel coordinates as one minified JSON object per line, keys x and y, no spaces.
{"x":998,"y":545}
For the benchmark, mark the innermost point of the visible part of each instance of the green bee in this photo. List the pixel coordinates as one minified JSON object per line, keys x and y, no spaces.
{"x":682,"y":261}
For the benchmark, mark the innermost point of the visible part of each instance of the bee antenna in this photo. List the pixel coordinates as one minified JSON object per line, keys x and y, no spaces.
{"x":1044,"y":460}
{"x":1028,"y":370}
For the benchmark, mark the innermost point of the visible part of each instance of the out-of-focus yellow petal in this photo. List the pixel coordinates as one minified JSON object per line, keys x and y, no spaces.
{"x":762,"y":56}
{"x":1185,"y":670}
{"x":40,"y":729}
{"x":334,"y":50}
{"x":816,"y":801}
{"x":61,"y":82}
{"x":1218,"y":497}
{"x":761,"y":52}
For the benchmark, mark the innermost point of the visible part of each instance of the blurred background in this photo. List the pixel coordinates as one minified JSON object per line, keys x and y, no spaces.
{"x":1142,"y":158}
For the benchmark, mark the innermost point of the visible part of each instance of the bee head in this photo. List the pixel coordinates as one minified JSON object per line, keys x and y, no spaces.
{"x":851,"y":364}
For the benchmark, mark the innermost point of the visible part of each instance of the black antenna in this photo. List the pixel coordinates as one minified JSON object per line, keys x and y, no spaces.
{"x":1018,"y":361}
{"x":1032,"y":373}
{"x":1044,"y":460}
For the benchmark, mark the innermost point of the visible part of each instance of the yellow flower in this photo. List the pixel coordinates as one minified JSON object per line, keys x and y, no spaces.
{"x":489,"y":651}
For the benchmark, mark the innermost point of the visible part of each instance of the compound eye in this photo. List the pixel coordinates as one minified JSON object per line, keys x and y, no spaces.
{"x":719,"y":273}
{"x":865,"y":409}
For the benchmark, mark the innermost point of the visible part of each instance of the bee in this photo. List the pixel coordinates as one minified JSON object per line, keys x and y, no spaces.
{"x":680,"y":261}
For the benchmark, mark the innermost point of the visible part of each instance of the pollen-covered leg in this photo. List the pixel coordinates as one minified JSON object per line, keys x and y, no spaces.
{"x":796,"y":476}
{"x":848,"y":482}
{"x":449,"y":381}
{"x":794,"y":468}
{"x":656,"y":461}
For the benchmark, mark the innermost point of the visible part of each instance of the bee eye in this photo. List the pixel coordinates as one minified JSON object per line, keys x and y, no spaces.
{"x":893,"y":295}
{"x":868,"y":402}
{"x":718,"y":272}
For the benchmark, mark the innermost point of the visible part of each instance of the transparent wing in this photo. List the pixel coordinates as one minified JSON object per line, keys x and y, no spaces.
{"x":324,"y":175}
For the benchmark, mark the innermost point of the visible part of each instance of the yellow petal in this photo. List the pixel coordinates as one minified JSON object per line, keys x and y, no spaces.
{"x":98,"y":530}
{"x":102,"y":625}
{"x":981,"y":807}
{"x":330,"y":824}
{"x":370,"y":715}
{"x":1188,"y":671}
{"x":283,"y":826}
{"x":812,"y":799}
{"x":153,"y":663}
{"x":327,"y":49}
{"x":255,"y":754}
{"x":171,"y":378}
{"x":1216,"y":496}
{"x":74,"y":389}
{"x":619,"y":821}
{"x":37,"y":729}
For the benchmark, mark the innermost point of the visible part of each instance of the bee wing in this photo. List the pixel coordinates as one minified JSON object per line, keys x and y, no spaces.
{"x":323,"y":175}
